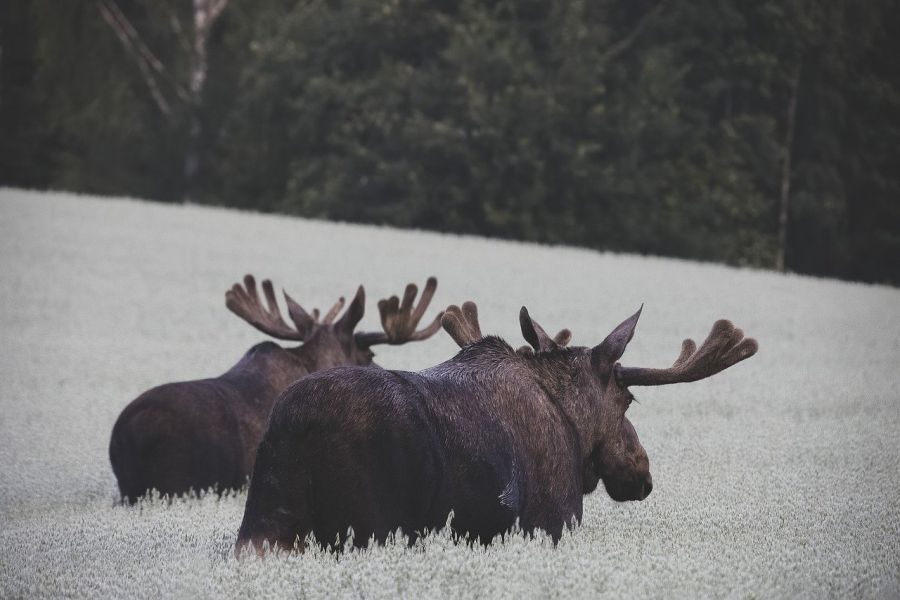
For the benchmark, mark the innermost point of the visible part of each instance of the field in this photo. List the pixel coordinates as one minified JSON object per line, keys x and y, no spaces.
{"x":779,"y":477}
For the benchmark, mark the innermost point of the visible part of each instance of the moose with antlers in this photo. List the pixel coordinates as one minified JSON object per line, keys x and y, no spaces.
{"x":492,"y":434}
{"x":201,"y":434}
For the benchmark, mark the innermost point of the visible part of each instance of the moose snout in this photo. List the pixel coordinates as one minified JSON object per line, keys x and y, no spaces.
{"x":634,"y":488}
{"x":646,"y":487}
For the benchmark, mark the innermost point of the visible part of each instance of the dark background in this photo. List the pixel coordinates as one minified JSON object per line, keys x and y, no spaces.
{"x":761,"y":133}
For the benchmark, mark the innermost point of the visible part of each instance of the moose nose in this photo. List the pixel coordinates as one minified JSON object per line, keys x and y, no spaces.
{"x":647,"y":487}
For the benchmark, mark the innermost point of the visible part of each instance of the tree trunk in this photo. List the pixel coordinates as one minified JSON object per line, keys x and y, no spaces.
{"x":204,"y":16}
{"x":205,"y":12}
{"x":786,"y":171}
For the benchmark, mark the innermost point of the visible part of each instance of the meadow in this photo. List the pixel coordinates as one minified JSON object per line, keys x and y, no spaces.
{"x":779,"y":477}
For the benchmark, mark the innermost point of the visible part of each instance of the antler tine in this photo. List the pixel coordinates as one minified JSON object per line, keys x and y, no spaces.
{"x":563,"y":337}
{"x":333,"y":311}
{"x":269,"y":292}
{"x":245,"y":303}
{"x":724,"y":347}
{"x":302,"y":319}
{"x":688,"y":347}
{"x":425,"y":300}
{"x":399,"y":319}
{"x":462,"y":323}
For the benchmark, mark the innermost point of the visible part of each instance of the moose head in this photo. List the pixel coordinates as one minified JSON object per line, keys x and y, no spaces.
{"x":596,"y":388}
{"x":333,"y":341}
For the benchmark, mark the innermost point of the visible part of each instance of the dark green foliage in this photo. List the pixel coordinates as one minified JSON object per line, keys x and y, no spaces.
{"x":646,"y":126}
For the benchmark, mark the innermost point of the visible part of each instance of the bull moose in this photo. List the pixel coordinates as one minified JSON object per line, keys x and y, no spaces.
{"x":201,"y":434}
{"x":492,"y":434}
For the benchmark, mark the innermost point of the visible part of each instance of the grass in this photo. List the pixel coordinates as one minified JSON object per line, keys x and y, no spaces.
{"x":778,"y":477}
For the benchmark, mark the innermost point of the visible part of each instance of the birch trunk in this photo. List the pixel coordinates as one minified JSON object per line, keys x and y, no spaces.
{"x":206,"y":12}
{"x":785,"y":199}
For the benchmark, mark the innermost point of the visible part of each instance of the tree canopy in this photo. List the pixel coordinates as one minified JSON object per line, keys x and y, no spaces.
{"x":654,"y":126}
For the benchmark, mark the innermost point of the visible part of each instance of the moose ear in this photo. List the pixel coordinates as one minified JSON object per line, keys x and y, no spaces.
{"x":530,"y":330}
{"x":605,"y":355}
{"x":539,"y":339}
{"x":354,"y":313}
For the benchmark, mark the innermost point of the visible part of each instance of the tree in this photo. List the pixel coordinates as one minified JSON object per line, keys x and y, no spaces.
{"x":759,"y":133}
{"x":164,"y":83}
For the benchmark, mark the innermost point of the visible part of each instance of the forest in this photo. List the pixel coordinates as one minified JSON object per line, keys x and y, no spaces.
{"x":761,"y":133}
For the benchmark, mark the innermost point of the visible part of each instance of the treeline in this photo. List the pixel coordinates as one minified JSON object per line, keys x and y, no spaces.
{"x":761,"y":133}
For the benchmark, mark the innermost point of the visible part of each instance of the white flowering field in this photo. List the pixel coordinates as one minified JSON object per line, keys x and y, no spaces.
{"x":777,"y":478}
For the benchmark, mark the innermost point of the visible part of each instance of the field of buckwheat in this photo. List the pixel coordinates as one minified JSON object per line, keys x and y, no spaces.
{"x":779,"y":477}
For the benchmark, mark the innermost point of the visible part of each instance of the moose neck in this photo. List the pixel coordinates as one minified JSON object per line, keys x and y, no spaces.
{"x":321,"y":351}
{"x":305,"y":358}
{"x":558,"y":371}
{"x":546,"y":378}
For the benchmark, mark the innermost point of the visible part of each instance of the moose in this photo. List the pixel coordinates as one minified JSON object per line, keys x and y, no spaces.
{"x":492,"y":434}
{"x":194,"y":435}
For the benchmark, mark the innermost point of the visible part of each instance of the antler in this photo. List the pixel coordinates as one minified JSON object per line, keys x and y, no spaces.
{"x":245,"y":303}
{"x":725,"y":346}
{"x":332,"y":312}
{"x":399,"y":319}
{"x":462,"y":323}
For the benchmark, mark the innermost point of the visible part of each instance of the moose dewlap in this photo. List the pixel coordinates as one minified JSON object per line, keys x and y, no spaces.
{"x":492,"y":434}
